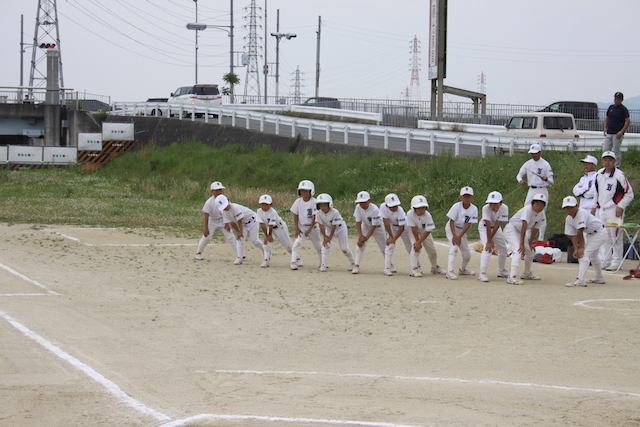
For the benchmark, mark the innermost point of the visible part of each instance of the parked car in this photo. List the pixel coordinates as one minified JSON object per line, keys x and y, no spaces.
{"x":541,"y":125}
{"x":200,"y":95}
{"x":580,"y":110}
{"x":322,"y":102}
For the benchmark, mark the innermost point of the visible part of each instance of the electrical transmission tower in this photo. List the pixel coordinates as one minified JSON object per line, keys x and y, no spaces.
{"x":252,"y":79}
{"x":414,"y":86}
{"x":297,"y":86}
{"x":482,"y":80}
{"x":45,"y":36}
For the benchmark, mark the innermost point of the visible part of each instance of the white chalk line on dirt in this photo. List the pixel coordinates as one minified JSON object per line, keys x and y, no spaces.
{"x":587,"y":303}
{"x":25,"y":278}
{"x":432,"y":379}
{"x":111,"y":387}
{"x":82,"y":242}
{"x":200,"y":417}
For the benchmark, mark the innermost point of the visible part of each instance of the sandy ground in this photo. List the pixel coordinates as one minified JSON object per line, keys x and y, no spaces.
{"x":123,"y":327}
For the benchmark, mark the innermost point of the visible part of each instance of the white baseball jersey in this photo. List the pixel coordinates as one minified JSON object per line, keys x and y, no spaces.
{"x":212,"y":209}
{"x":238,"y":212}
{"x":422,"y":223}
{"x":462,"y":216}
{"x":502,"y":215}
{"x":269,"y":217}
{"x":368,"y":218}
{"x":330,"y":219}
{"x":396,"y":219}
{"x":534,"y":220}
{"x":305,"y":210}
{"x":586,"y":190}
{"x":583,"y":219}
{"x":613,"y":189}
{"x":532,"y":168}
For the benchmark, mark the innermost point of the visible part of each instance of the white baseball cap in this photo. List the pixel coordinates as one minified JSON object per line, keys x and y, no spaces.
{"x":222,"y":202}
{"x":392,"y":200}
{"x":494,"y":197}
{"x":540,"y":198}
{"x":217,"y":185}
{"x":535,"y":148}
{"x":466,"y":190}
{"x":590,"y":159}
{"x":569,"y":201}
{"x":363,"y":196}
{"x":609,"y":154}
{"x":265,"y":198}
{"x":419,"y":202}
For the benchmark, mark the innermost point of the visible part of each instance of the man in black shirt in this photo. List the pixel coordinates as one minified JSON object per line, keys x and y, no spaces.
{"x":615,"y":125}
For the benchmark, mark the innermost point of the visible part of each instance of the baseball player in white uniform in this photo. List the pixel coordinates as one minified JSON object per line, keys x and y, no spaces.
{"x":395,"y":224}
{"x":494,"y":213}
{"x":539,"y":176}
{"x":420,"y":224}
{"x":520,"y":232}
{"x":586,"y":188}
{"x":243,"y":221}
{"x":213,"y":221}
{"x":272,"y":225}
{"x":304,"y":218}
{"x":613,"y":194}
{"x":332,"y":226}
{"x":461,"y":215}
{"x":368,"y":224}
{"x":580,"y":224}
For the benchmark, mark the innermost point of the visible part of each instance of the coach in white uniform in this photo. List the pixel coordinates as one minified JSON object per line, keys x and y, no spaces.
{"x":539,"y":176}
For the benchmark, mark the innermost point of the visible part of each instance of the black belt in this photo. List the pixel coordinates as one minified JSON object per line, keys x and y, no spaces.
{"x":531,"y":186}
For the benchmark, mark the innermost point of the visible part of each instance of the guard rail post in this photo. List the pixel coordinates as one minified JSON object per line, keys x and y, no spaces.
{"x":293,"y":128}
{"x":483,"y":147}
{"x":432,"y":144}
{"x":206,"y":114}
{"x":407,"y":145}
{"x":193,"y":113}
{"x":277,"y":125}
{"x":366,"y":136}
{"x":456,"y":142}
{"x":511,"y":147}
{"x":233,"y":118}
{"x":310,"y":135}
{"x":328,"y":133}
{"x":262,"y":117}
{"x":346,"y":134}
{"x":247,"y":121}
{"x":386,"y":139}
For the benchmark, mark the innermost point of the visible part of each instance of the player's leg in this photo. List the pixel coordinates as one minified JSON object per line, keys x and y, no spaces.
{"x":324,"y":252}
{"x":295,"y":250}
{"x":591,"y":252}
{"x":500,"y":242}
{"x":453,"y":250}
{"x":430,"y":246}
{"x":466,"y":257}
{"x":316,"y":240}
{"x":343,"y":240}
{"x":282,"y":234}
{"x":254,"y":235}
{"x":512,"y":237}
{"x":414,"y":258}
{"x":484,"y":256}
{"x":204,"y":241}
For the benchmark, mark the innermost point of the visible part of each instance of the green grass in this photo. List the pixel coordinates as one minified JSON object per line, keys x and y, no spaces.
{"x":166,"y":187}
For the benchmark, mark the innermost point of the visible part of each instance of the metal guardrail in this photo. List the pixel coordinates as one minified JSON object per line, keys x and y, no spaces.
{"x":415,"y":140}
{"x":37,"y":95}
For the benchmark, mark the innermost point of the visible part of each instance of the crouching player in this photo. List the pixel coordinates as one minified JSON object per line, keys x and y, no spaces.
{"x":494,"y":213}
{"x":579,"y":223}
{"x":243,"y":221}
{"x":331,"y":225}
{"x":272,"y":225}
{"x":520,"y":232}
{"x":421,"y":224}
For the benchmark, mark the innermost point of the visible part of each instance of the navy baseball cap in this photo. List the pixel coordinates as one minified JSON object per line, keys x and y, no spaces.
{"x":618,"y":95}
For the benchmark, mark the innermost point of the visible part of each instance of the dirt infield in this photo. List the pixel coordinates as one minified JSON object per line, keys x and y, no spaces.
{"x":106,"y":327}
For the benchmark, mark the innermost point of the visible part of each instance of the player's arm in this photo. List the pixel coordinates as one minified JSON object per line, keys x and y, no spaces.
{"x":627,"y":122}
{"x":578,"y":244}
{"x":455,"y":239}
{"x":387,"y":228}
{"x":205,"y":233}
{"x":606,"y":124}
{"x":296,"y":224}
{"x":523,"y":236}
{"x":521,"y":174}
{"x":310,"y":229}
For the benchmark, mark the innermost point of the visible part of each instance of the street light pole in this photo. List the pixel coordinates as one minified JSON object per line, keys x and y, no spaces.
{"x":196,"y":2}
{"x":278,"y":35}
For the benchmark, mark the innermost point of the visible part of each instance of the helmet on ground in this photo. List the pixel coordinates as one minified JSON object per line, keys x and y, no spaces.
{"x":419,"y":202}
{"x":324,"y":198}
{"x":540,"y":198}
{"x":305,"y":184}
{"x":392,"y":200}
{"x":265,"y":198}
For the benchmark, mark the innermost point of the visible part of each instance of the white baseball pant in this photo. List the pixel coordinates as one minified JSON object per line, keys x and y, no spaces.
{"x":500,"y":243}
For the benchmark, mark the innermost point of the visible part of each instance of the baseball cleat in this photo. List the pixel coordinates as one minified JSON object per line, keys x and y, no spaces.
{"x":597,"y":281}
{"x":356,"y":269}
{"x":388,"y":272}
{"x":483,"y":277}
{"x":294,"y":266}
{"x":451,"y":275}
{"x":514,"y":281}
{"x":438,"y":270}
{"x":238,"y":261}
{"x":577,"y":282}
{"x":199,"y":256}
{"x":350,"y":267}
{"x":503,"y":273}
{"x":466,"y":272}
{"x":264,"y":264}
{"x":530,"y":276}
{"x":323,"y":267}
{"x":299,"y":263}
{"x":393,"y":269}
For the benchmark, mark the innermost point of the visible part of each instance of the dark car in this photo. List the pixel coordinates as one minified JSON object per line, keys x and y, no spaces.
{"x":322,"y":102}
{"x":580,"y":110}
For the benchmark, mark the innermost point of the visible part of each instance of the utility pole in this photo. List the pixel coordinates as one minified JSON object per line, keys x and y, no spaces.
{"x":265,"y":68}
{"x":278,"y":35}
{"x":318,"y":56}
{"x":21,"y":58}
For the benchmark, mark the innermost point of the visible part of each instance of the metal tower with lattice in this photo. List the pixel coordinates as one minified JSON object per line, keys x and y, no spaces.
{"x":297,"y":85}
{"x":414,"y":85}
{"x":45,"y":36}
{"x":252,"y":79}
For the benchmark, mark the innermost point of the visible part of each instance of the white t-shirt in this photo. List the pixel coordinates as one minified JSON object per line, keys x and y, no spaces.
{"x":502,"y":215}
{"x":534,"y":220}
{"x":238,"y":212}
{"x":330,"y":218}
{"x":462,"y":216}
{"x":269,"y":217}
{"x":305,"y":210}
{"x":583,"y":219}
{"x":422,"y":223}
{"x":396,"y":219}
{"x":212,"y":209}
{"x":368,"y":218}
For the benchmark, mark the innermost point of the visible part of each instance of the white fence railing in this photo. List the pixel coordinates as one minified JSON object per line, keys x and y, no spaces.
{"x":399,"y":139}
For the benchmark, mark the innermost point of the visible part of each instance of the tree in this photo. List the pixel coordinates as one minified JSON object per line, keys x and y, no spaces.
{"x":231,"y":79}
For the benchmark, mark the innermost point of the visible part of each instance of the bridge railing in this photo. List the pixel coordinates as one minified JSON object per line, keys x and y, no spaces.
{"x":409,"y":140}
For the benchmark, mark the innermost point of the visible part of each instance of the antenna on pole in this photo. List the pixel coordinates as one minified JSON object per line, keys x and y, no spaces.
{"x":45,"y":37}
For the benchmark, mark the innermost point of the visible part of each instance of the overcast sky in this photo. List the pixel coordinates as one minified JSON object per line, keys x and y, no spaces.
{"x":530,"y":52}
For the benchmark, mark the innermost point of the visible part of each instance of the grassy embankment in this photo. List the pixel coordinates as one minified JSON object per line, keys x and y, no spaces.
{"x":165,"y":188}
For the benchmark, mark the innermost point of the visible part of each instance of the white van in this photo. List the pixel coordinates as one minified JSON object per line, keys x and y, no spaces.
{"x":205,"y":95}
{"x":541,"y":125}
